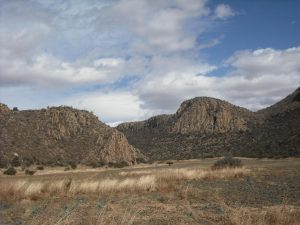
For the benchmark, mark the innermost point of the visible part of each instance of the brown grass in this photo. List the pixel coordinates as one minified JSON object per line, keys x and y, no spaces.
{"x":191,"y":174}
{"x":136,"y":181}
{"x":274,"y":215}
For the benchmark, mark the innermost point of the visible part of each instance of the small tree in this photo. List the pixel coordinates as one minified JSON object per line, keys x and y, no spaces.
{"x":15,"y":109}
{"x":10,"y":171}
{"x":227,"y":161}
{"x":40,"y":168}
{"x":15,"y":162}
{"x":29,"y":172}
{"x":73,"y":165}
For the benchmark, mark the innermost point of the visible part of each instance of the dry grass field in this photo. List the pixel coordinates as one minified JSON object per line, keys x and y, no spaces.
{"x":261,"y":192}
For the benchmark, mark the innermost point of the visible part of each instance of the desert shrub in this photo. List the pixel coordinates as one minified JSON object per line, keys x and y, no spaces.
{"x":29,"y":172}
{"x":10,"y":171}
{"x":169,"y":163}
{"x":27,"y":163}
{"x":15,"y":162}
{"x":227,"y":161}
{"x":67,"y":169}
{"x":95,"y":164}
{"x":121,"y":164}
{"x":73,"y":165}
{"x":141,"y":160}
{"x":15,"y":109}
{"x":40,"y":168}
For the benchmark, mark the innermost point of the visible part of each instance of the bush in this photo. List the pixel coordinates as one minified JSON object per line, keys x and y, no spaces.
{"x":118,"y":164}
{"x":10,"y":171}
{"x":227,"y":161}
{"x":15,"y":162}
{"x":29,"y":172}
{"x":96,"y":164}
{"x":27,"y":163}
{"x":40,"y":168}
{"x":67,"y":169}
{"x":141,"y":160}
{"x":169,"y":163}
{"x":73,"y":165}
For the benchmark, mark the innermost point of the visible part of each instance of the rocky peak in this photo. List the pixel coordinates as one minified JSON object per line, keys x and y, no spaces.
{"x":210,"y":115}
{"x":63,"y":134}
{"x":4,"y":109}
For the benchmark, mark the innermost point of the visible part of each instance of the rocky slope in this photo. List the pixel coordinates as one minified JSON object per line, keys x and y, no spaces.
{"x":204,"y":127}
{"x":60,"y":134}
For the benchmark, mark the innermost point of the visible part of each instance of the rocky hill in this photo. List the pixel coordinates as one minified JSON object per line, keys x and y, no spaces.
{"x":61,"y":134}
{"x":204,"y":127}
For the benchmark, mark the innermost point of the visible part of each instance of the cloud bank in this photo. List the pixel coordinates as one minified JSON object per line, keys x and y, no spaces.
{"x":128,"y":60}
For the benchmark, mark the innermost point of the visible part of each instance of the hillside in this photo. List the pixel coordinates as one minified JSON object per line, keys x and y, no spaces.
{"x":204,"y":127}
{"x":58,"y":135}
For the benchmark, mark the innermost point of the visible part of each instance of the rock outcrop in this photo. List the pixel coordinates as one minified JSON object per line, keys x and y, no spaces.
{"x":60,"y":134}
{"x":209,"y":115}
{"x":205,"y":127}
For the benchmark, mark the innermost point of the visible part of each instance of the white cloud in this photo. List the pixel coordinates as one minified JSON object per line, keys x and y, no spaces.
{"x":266,"y":61}
{"x":108,"y":106}
{"x":47,"y":70}
{"x":259,"y":79}
{"x":223,"y":11}
{"x":162,"y":93}
{"x":159,"y":26}
{"x":147,"y":54}
{"x":79,"y":43}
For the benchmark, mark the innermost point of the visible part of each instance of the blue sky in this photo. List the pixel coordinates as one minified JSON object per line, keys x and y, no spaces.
{"x":258,"y":24}
{"x":127,"y":60}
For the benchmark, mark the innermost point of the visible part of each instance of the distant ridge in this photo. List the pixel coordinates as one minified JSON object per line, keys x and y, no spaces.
{"x":205,"y":127}
{"x":58,"y":135}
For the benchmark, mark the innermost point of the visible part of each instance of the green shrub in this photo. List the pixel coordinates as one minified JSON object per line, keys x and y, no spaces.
{"x":40,"y":168}
{"x":169,"y":163}
{"x":10,"y":171}
{"x":27,"y":163}
{"x":95,"y":164}
{"x":29,"y":172}
{"x":73,"y":165}
{"x":15,"y":162}
{"x":141,"y":160}
{"x":118,"y":164}
{"x":227,"y":161}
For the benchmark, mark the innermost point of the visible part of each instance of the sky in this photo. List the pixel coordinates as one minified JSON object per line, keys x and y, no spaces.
{"x":127,"y":60}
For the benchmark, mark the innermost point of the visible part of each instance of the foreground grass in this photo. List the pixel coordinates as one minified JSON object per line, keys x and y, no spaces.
{"x":180,"y":194}
{"x":140,"y":181}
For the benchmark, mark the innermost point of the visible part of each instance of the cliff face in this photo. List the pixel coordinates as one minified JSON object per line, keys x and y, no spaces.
{"x":209,"y":115}
{"x":211,"y":127}
{"x":61,"y":134}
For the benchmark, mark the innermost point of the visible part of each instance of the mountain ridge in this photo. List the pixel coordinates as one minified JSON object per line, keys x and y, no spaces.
{"x":59,"y":134}
{"x":205,"y":126}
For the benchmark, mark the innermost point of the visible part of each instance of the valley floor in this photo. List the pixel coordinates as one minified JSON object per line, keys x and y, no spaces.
{"x":264,"y":191}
